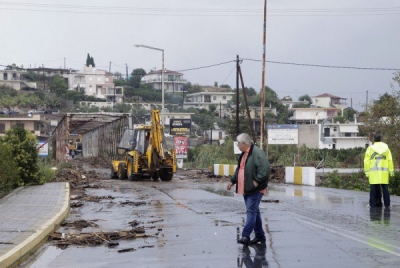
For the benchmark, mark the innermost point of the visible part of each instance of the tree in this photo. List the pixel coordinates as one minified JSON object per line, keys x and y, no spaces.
{"x":23,"y":150}
{"x":225,"y":86}
{"x":136,"y":76}
{"x":383,"y":116}
{"x":212,"y":107}
{"x":90,"y":61}
{"x":304,"y":98}
{"x":58,"y":85}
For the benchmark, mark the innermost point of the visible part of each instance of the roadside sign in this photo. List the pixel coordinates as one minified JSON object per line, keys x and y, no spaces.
{"x":180,"y":127}
{"x":181,"y":147}
{"x":283,"y":134}
{"x":42,"y":147}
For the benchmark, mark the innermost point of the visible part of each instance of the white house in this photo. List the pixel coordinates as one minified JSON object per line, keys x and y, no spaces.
{"x":214,"y":135}
{"x":312,"y":115}
{"x":15,"y":79}
{"x":203,"y":100}
{"x":329,"y":101}
{"x":96,"y":82}
{"x":173,"y":81}
{"x":332,"y":136}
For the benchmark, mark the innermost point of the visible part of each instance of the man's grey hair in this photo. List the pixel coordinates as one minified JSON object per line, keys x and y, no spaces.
{"x":245,"y":138}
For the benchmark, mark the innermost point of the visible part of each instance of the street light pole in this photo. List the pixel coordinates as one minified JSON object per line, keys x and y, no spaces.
{"x":162,"y":77}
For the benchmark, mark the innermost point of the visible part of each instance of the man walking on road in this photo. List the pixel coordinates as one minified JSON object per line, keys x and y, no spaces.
{"x":378,"y":166}
{"x":251,"y":179}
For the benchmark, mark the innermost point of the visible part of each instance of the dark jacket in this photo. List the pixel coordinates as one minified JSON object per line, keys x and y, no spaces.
{"x":256,"y":169}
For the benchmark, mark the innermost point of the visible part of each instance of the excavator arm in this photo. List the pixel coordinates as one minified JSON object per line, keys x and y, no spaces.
{"x":155,"y":150}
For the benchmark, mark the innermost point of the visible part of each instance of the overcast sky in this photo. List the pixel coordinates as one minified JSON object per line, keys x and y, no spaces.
{"x":199,"y":33}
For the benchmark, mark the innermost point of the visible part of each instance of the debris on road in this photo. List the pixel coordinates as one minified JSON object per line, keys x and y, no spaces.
{"x":79,"y":224}
{"x":135,"y":203}
{"x":126,"y":250}
{"x":96,"y":238}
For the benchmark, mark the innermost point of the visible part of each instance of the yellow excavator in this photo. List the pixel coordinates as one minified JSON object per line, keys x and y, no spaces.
{"x":144,"y":153}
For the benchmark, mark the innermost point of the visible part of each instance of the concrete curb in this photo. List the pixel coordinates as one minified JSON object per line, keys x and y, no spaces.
{"x":22,"y":251}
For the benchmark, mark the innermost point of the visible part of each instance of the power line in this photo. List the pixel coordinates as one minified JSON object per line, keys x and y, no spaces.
{"x":274,"y":62}
{"x":330,"y":66}
{"x":147,"y":11}
{"x":208,"y":66}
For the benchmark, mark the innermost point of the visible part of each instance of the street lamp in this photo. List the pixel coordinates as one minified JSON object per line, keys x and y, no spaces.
{"x":162,"y":77}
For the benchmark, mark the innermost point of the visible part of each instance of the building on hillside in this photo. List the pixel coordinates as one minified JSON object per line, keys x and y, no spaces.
{"x":203,"y":100}
{"x":332,"y":136}
{"x":96,"y":82}
{"x":15,"y":79}
{"x":214,"y":135}
{"x":173,"y":81}
{"x":313,"y":115}
{"x":31,"y":123}
{"x":92,"y":81}
{"x":329,"y":101}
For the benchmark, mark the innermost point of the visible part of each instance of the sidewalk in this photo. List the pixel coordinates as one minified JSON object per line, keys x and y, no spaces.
{"x":28,"y":216}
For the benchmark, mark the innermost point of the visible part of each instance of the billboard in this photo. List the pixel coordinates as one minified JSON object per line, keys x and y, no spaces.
{"x":181,"y":147}
{"x":43,"y":147}
{"x":283,"y":134}
{"x":180,"y":127}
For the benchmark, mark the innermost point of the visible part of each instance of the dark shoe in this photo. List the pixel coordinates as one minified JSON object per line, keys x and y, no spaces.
{"x":257,"y":240}
{"x":244,"y":241}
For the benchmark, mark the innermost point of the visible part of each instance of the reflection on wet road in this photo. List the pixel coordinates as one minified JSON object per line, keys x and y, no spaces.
{"x":195,"y":224}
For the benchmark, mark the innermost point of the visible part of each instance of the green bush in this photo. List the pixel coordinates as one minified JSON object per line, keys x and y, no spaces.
{"x":23,"y":150}
{"x":9,"y":173}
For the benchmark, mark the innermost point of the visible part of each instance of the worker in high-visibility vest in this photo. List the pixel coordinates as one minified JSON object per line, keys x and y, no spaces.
{"x":378,"y":193}
{"x":378,"y":166}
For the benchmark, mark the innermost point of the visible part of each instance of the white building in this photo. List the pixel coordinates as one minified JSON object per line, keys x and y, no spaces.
{"x":214,"y":135}
{"x":15,"y":79}
{"x":173,"y":81}
{"x":203,"y":100}
{"x":313,"y":115}
{"x":329,"y":101}
{"x":332,"y":136}
{"x":96,"y":82}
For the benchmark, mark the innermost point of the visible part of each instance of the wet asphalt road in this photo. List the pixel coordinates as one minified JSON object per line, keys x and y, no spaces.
{"x":195,"y":223}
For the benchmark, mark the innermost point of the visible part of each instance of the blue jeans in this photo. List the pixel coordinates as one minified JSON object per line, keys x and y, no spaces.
{"x":253,"y":220}
{"x":373,"y":188}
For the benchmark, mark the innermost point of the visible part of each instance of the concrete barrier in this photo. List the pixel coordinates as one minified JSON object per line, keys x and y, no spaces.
{"x":224,"y":169}
{"x":300,"y":175}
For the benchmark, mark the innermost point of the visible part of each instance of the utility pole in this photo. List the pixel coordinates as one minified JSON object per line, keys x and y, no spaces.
{"x":237,"y":95}
{"x":109,"y":68}
{"x":263,"y":80}
{"x":366,"y":102}
{"x":126,"y":71}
